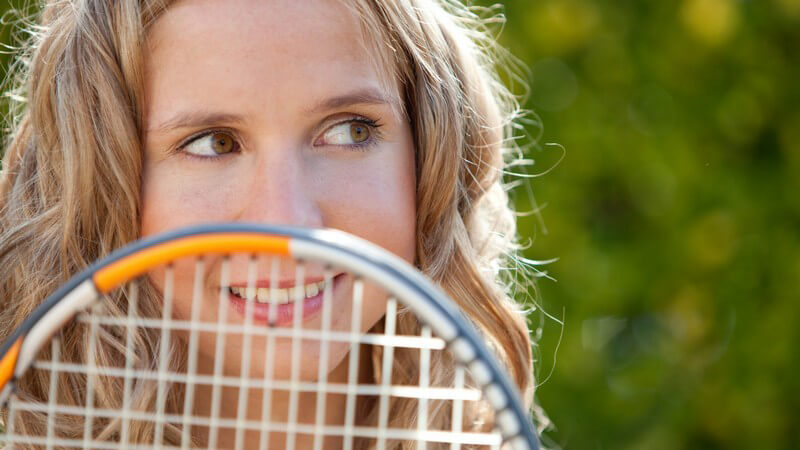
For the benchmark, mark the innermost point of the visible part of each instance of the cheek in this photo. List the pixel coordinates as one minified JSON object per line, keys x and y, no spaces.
{"x":174,"y":198}
{"x":376,"y":203}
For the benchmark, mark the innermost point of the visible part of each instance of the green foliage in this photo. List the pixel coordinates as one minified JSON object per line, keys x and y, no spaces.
{"x":672,"y":215}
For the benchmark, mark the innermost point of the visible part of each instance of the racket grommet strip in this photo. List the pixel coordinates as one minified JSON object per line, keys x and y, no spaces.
{"x":520,"y":443}
{"x":497,"y":398}
{"x":508,"y":423}
{"x":480,"y":372}
{"x":462,"y":349}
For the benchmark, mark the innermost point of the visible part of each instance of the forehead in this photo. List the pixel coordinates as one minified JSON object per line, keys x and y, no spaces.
{"x":256,"y":54}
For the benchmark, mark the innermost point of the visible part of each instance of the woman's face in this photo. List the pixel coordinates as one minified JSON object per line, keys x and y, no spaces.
{"x":273,"y":112}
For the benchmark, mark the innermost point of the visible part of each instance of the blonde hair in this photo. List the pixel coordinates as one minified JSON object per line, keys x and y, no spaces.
{"x":69,"y":191}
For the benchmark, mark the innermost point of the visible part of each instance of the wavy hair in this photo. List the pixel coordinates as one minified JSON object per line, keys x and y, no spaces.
{"x":72,"y":170}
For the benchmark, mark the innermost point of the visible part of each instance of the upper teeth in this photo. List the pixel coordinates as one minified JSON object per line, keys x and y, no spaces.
{"x":280,"y":296}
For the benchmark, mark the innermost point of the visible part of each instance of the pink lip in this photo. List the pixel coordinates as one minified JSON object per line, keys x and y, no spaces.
{"x":284,"y":314}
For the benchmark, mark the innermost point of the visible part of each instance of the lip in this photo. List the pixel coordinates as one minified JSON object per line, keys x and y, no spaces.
{"x":284,"y":314}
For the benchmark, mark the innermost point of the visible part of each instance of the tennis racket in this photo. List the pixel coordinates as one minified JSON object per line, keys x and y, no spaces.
{"x":250,"y":336}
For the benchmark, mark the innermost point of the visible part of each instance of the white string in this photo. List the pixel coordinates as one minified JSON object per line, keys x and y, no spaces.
{"x":87,"y":424}
{"x":12,"y":412}
{"x":322,"y":374}
{"x":244,"y":373}
{"x":129,"y":359}
{"x":53,"y":393}
{"x":486,"y":439}
{"x":188,"y":401}
{"x":219,"y":354}
{"x":163,"y":355}
{"x":377,"y":339}
{"x":352,"y":368}
{"x":297,"y":319}
{"x":266,"y":405}
{"x":386,"y":374}
{"x":458,"y":406}
{"x":424,"y":382}
{"x":406,"y":391}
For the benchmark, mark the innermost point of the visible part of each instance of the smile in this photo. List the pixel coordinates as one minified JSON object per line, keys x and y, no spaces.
{"x":278,"y":306}
{"x":279,"y":296}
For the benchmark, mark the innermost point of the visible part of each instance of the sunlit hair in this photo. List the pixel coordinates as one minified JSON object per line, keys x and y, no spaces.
{"x":72,"y":171}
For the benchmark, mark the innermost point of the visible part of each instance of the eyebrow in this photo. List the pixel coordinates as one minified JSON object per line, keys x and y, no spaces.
{"x":197,"y":119}
{"x":367,"y":96}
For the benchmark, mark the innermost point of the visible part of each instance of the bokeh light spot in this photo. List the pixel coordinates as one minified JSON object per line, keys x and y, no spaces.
{"x":710,"y":21}
{"x":790,"y":7}
{"x":563,"y":25}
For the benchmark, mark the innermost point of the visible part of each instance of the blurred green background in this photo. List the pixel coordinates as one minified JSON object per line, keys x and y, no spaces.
{"x":674,"y":214}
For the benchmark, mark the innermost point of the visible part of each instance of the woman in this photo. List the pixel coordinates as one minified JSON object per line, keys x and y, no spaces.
{"x":383,"y":119}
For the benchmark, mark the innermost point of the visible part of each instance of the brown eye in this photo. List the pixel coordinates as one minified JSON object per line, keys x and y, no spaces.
{"x":215,"y":143}
{"x":359,"y":132}
{"x":222,"y":143}
{"x":355,"y":134}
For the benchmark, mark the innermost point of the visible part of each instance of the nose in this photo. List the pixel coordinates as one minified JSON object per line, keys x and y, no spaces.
{"x":279,"y":192}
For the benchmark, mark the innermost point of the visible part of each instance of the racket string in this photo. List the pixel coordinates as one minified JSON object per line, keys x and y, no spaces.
{"x":171,"y":373}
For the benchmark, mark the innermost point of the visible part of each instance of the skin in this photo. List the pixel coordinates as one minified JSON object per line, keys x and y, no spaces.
{"x":284,"y":82}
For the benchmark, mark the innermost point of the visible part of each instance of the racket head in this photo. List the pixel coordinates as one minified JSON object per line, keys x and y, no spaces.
{"x":330,"y":252}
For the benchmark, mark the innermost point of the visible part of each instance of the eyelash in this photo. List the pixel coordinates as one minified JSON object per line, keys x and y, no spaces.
{"x":374,"y":126}
{"x":375,"y":133}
